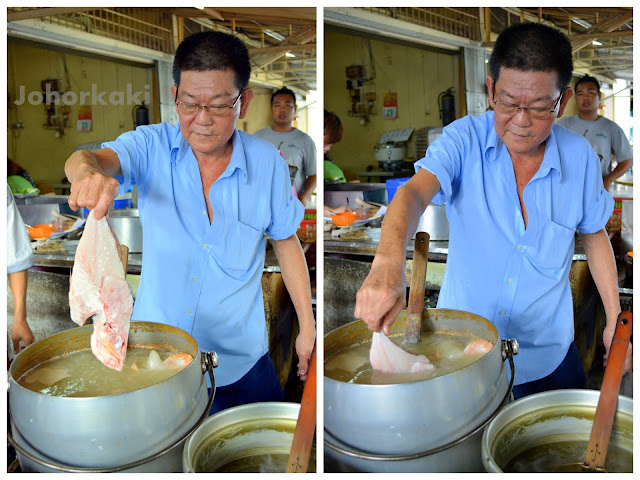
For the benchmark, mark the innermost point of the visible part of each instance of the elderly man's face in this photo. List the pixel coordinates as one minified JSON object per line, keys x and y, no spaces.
{"x":204,"y":131}
{"x":520,"y":132}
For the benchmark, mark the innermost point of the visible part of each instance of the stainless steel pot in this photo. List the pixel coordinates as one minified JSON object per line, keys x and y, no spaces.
{"x":430,"y":425}
{"x":390,"y":151}
{"x":434,"y":221}
{"x":551,"y":416}
{"x":143,"y":430}
{"x":241,"y":432}
{"x":126,"y":225}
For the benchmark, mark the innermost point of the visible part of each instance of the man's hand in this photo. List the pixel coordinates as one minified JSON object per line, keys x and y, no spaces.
{"x":92,"y":183}
{"x":607,"y":182}
{"x":304,"y":347}
{"x":607,"y":338}
{"x":20,"y":332}
{"x":382,"y":296}
{"x":94,"y":191}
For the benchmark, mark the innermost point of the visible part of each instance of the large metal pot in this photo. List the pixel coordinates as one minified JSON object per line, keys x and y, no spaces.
{"x":430,"y":425}
{"x":558,"y":415}
{"x":434,"y":221}
{"x":126,"y":225}
{"x":143,"y":430}
{"x":264,"y":428}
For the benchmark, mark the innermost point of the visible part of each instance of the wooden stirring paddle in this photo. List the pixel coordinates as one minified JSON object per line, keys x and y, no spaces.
{"x":416,"y":290}
{"x":605,"y":411}
{"x":306,"y":424}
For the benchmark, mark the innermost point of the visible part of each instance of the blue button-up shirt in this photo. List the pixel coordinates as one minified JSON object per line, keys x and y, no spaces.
{"x":206,"y":278}
{"x":515,"y":277}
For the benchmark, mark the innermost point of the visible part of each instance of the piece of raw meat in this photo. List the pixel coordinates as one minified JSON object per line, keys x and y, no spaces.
{"x":99,"y":288}
{"x":389,"y":357}
{"x":478,"y":346}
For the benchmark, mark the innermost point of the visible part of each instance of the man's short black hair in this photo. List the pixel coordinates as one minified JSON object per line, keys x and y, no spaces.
{"x":284,"y":91}
{"x":585,"y":79}
{"x":213,"y":51}
{"x":533,"y":47}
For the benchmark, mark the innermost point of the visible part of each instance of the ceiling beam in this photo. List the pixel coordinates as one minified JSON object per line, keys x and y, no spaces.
{"x":607,"y":26}
{"x":281,"y":49}
{"x":44,"y":12}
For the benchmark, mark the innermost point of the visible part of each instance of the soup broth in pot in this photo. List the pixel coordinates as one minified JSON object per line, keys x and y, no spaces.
{"x":444,"y":349}
{"x":81,"y":374}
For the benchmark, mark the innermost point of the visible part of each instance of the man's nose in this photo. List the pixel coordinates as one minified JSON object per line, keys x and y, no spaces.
{"x":521,"y":118}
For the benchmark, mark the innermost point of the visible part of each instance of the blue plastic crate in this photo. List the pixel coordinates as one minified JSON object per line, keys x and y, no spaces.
{"x":393,"y":184}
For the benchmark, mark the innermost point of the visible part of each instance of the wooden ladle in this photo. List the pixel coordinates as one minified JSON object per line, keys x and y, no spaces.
{"x":416,"y":290}
{"x":306,"y":424}
{"x":606,"y":409}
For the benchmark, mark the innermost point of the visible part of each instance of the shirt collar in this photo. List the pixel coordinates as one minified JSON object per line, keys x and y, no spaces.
{"x":180,"y":148}
{"x":551,"y":158}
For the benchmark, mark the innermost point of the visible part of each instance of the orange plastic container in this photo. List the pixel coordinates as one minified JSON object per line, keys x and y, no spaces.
{"x":40,"y":231}
{"x":344,"y":219}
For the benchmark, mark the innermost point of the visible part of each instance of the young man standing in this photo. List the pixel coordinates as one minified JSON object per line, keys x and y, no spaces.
{"x":296,"y":147}
{"x":605,"y":136}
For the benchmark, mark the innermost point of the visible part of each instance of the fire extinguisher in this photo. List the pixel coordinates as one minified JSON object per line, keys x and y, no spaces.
{"x":140,"y":115}
{"x":446,"y":104}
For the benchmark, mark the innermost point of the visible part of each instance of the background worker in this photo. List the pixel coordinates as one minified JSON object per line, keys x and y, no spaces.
{"x":19,"y":260}
{"x":296,"y":147}
{"x":605,"y":136}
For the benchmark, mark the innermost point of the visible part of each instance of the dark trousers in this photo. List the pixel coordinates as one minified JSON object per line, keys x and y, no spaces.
{"x":569,"y":374}
{"x":260,"y":384}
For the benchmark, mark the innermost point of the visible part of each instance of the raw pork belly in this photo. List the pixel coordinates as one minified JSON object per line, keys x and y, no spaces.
{"x":99,"y":289}
{"x":389,"y":357}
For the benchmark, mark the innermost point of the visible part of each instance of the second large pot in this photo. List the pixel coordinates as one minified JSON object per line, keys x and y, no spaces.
{"x":107,"y":433}
{"x":405,"y":422}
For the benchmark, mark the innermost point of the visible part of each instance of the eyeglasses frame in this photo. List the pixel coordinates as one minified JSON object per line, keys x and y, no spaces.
{"x":207,"y":107}
{"x":526,"y":109}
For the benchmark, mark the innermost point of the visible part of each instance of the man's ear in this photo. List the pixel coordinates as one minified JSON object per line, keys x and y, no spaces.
{"x":568,"y":93}
{"x":247,"y":95}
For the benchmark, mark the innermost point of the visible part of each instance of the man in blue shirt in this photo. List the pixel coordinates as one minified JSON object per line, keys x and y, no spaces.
{"x":516,"y":189}
{"x":207,"y":194}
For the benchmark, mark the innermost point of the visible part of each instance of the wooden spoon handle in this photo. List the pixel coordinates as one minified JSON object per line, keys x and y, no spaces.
{"x":306,"y":424}
{"x":124,"y":257}
{"x":416,"y":291}
{"x":606,"y":409}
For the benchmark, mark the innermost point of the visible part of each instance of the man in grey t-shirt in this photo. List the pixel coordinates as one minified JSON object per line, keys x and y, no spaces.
{"x":605,"y":136}
{"x":296,"y":147}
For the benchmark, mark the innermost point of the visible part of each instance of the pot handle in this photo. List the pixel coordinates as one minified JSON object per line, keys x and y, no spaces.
{"x":509,"y":349}
{"x":208,"y":360}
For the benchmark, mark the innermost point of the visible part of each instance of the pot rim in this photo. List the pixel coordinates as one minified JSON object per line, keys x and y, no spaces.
{"x":13,"y":384}
{"x":511,"y":413}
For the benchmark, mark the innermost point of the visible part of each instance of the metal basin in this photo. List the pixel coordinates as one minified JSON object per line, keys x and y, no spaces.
{"x":415,"y":426}
{"x":108,"y":433}
{"x":258,"y":429}
{"x":550,"y":417}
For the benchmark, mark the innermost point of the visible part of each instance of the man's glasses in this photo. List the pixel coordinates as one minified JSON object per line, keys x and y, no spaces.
{"x":537,"y":113}
{"x":191,"y":109}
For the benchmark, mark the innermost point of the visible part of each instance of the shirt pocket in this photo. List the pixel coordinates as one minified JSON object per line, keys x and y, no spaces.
{"x":555,"y":244}
{"x":236,"y":251}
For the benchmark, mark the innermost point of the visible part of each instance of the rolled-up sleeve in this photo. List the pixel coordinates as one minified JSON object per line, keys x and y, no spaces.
{"x":132,"y":149}
{"x":286,"y":210}
{"x":19,"y":253}
{"x":597,"y":203}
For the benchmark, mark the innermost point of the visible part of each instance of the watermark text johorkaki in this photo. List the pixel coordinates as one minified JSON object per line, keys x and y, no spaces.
{"x":94,"y":97}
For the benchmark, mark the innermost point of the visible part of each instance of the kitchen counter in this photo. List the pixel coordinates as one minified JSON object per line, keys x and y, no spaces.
{"x":134,"y":263}
{"x":438,"y":249}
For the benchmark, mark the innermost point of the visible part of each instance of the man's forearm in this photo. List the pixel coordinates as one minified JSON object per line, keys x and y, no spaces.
{"x":603,"y":269}
{"x":18,"y":285}
{"x":620,"y":170}
{"x":403,"y":214}
{"x":296,"y":278}
{"x":309,"y":187}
